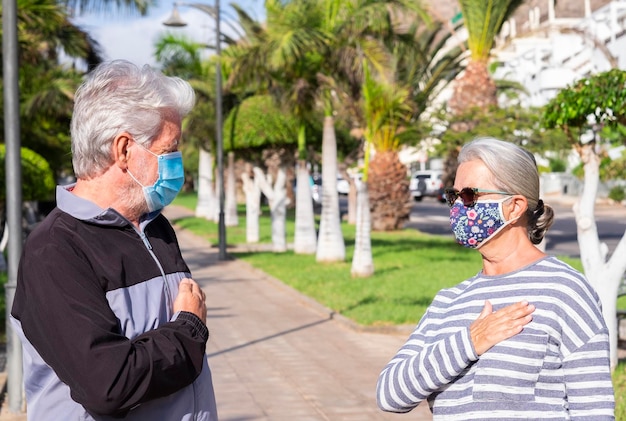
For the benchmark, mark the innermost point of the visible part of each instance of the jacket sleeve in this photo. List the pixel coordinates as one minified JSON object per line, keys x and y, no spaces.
{"x":65,"y":315}
{"x":417,"y":371}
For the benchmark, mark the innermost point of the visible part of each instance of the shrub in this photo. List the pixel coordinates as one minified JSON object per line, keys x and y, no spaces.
{"x":557,"y":165}
{"x":617,"y":193}
{"x":37,"y":177}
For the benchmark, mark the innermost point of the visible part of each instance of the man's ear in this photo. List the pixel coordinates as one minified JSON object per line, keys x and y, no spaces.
{"x":121,"y":145}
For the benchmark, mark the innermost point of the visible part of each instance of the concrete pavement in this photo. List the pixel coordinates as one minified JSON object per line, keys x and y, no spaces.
{"x":278,"y":355}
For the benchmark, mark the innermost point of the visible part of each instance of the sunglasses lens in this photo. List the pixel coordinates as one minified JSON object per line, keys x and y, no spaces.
{"x":468,"y":196}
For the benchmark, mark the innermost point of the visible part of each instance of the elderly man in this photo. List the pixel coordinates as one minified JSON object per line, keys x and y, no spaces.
{"x":112,"y":324}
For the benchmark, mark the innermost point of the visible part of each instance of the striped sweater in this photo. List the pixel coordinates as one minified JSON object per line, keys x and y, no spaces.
{"x":557,"y":368}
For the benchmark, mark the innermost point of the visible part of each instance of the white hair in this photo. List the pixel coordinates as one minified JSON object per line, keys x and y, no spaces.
{"x":118,"y":96}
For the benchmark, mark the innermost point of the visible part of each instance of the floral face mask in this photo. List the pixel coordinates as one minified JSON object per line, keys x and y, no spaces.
{"x":474,"y":225}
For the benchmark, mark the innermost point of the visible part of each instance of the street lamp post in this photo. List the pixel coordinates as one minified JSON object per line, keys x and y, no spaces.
{"x":13,"y":170}
{"x":176,"y":21}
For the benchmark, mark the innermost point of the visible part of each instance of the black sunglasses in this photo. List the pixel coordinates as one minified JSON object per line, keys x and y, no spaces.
{"x":469,"y":195}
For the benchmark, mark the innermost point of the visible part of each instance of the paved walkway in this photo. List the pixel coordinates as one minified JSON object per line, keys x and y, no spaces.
{"x":277,"y":355}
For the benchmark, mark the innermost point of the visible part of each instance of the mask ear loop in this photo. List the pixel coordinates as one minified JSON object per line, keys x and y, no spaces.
{"x":506,"y":223}
{"x":133,"y":177}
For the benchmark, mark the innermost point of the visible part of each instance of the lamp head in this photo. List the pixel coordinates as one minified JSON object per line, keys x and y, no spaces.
{"x":175,"y":20}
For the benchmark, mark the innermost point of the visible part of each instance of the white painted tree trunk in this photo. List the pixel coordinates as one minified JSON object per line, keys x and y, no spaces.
{"x":362,"y":261}
{"x":252,"y":192}
{"x":231,"y":218}
{"x":305,"y":237}
{"x":352,"y":201}
{"x":207,"y":206}
{"x":278,"y":201}
{"x":605,"y":275}
{"x":330,"y":244}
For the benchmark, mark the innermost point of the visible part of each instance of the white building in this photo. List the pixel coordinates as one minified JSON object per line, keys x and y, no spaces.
{"x":550,"y":52}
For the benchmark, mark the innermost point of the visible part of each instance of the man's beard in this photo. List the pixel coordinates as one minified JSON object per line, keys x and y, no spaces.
{"x":134,"y":199}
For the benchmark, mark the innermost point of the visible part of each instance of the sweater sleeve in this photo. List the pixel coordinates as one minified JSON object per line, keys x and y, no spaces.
{"x":65,"y":315}
{"x":588,"y":381}
{"x":417,"y":371}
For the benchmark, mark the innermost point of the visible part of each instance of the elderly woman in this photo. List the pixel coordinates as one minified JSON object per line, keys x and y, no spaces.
{"x":522,"y":339}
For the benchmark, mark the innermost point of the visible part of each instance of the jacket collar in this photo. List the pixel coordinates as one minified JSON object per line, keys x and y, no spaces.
{"x":87,"y":211}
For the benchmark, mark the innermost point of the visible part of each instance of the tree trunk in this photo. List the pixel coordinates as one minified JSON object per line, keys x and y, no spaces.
{"x":473,"y":89}
{"x":390,"y":199}
{"x":276,"y":194}
{"x":253,"y":206}
{"x":605,"y":276}
{"x":362,"y":261}
{"x":231,"y":219}
{"x":330,"y":247}
{"x":207,"y":201}
{"x":352,"y":200}
{"x":305,"y":237}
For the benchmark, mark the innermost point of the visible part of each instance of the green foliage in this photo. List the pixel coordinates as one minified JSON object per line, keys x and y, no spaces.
{"x":617,"y":193}
{"x":483,"y":20}
{"x":612,"y":169}
{"x":46,"y":110}
{"x":599,"y":99}
{"x":557,"y":165}
{"x":46,"y":87}
{"x":260,"y":124}
{"x":518,"y":125}
{"x":619,"y":386}
{"x":387,"y":109}
{"x":37,"y":179}
{"x":579,"y":171}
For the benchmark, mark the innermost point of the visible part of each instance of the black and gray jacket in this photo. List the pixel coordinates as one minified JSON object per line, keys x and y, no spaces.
{"x":93,"y":307}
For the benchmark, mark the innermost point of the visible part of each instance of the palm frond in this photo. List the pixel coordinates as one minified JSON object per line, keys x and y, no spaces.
{"x":483,"y":20}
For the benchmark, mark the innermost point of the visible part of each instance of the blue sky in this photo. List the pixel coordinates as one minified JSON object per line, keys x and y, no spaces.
{"x":133,"y":38}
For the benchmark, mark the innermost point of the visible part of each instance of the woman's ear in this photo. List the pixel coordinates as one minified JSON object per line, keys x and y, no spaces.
{"x":121,"y":150}
{"x":518,"y":206}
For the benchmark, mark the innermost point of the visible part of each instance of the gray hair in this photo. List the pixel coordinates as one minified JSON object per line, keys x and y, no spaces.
{"x":118,"y":96}
{"x":514,"y":170}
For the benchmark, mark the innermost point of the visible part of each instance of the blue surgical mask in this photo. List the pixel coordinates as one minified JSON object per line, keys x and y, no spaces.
{"x":168,"y":184}
{"x":474,"y":225}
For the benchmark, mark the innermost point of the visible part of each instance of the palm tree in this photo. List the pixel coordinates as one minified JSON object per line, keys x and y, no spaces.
{"x":483,"y":21}
{"x":423,"y":68}
{"x":475,"y":88}
{"x":359,"y":32}
{"x":282,"y":58}
{"x":387,"y":111}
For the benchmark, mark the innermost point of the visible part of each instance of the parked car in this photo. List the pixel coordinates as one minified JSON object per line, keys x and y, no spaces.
{"x":427,"y":183}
